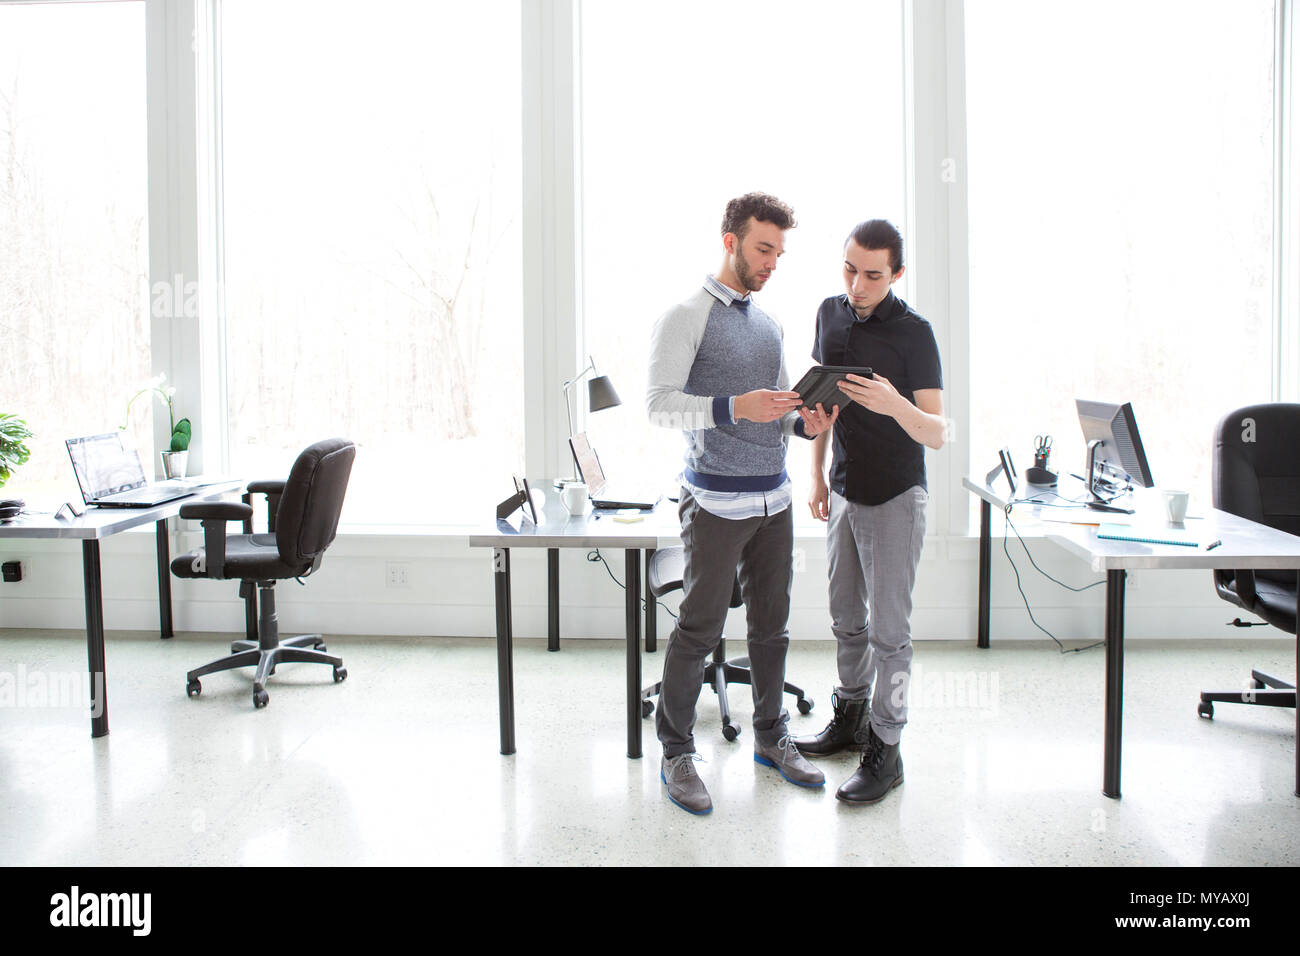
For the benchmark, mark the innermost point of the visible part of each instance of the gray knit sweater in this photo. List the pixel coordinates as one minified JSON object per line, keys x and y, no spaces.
{"x":703,"y":353}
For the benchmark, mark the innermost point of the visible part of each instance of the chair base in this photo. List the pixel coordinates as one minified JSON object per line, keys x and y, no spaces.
{"x":1265,"y":690}
{"x":718,"y":673}
{"x":268,"y":651}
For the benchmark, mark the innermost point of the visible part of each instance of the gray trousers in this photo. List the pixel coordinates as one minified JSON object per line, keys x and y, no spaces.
{"x":716,"y":549}
{"x":873,"y":551}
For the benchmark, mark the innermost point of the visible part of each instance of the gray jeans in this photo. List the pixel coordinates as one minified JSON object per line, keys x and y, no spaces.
{"x":717,"y":549}
{"x":873,"y":551}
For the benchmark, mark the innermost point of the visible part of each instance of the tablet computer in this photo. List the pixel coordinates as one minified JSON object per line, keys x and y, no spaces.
{"x":521,"y":485}
{"x":819,"y":385}
{"x":522,"y":499}
{"x":1005,"y":467}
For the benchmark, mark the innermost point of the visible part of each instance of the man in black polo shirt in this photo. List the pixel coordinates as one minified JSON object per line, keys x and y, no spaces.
{"x":875,"y":505}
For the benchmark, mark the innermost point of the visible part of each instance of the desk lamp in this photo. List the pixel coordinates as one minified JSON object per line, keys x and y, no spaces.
{"x":600,"y":396}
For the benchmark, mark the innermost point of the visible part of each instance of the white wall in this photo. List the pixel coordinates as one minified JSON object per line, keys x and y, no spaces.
{"x":451,"y":592}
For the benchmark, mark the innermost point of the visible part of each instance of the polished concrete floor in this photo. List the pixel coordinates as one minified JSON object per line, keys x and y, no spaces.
{"x":400,"y":764}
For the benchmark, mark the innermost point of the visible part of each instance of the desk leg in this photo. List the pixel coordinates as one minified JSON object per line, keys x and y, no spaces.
{"x":95,"y":637}
{"x":1297,"y":711}
{"x":552,"y":599}
{"x":632,"y":574}
{"x":1114,"y":681}
{"x":986,"y":555}
{"x":651,"y":614}
{"x":505,"y":651}
{"x":164,"y":582}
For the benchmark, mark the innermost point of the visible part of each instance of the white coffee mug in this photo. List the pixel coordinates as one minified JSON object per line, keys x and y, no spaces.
{"x":574,"y":497}
{"x":1176,"y":505}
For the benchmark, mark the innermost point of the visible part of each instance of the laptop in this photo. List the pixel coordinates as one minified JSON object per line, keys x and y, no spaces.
{"x":111,"y":477}
{"x":603,"y":494}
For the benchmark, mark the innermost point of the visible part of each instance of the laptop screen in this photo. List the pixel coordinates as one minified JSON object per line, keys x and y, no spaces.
{"x":103,"y":467}
{"x":588,"y":464}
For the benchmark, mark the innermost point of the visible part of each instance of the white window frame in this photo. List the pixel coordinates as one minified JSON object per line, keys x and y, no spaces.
{"x":183,"y":67}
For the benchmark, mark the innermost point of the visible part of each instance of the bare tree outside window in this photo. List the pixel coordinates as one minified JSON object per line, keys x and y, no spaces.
{"x":824,"y":130}
{"x":372,"y":242}
{"x":74,"y":319}
{"x":1121,"y":223}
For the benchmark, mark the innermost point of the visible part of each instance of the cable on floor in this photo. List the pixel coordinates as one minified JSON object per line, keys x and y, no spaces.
{"x":1025,"y":598}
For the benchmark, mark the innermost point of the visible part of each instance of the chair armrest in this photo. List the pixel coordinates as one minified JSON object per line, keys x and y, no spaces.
{"x":213,"y":515}
{"x":273,"y":488}
{"x":218,"y":510}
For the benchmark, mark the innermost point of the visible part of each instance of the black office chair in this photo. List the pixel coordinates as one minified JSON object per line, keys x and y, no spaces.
{"x":1257,"y":476}
{"x":667,"y":566}
{"x":302,"y":518}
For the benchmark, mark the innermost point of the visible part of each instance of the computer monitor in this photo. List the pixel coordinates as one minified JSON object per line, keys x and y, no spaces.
{"x":1116,"y":458}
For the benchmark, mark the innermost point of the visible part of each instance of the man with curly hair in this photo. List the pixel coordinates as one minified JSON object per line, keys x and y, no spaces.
{"x":717,"y":372}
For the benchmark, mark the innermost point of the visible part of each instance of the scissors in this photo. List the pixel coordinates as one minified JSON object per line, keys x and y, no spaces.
{"x":1043,"y":444}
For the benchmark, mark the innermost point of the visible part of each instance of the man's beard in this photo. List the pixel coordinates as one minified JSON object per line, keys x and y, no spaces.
{"x":746,"y":275}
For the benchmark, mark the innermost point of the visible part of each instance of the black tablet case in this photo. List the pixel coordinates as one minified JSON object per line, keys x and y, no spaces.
{"x":819,"y":385}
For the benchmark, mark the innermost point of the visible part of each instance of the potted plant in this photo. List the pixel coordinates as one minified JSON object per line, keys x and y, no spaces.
{"x":13,"y":444}
{"x":175,"y":459}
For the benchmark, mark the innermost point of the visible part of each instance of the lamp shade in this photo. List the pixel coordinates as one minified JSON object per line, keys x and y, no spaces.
{"x":601,"y":394}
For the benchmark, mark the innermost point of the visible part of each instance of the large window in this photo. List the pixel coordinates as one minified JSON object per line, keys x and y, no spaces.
{"x":1121,"y":216}
{"x":697,"y":104}
{"x":74,"y":307}
{"x":371,"y":162}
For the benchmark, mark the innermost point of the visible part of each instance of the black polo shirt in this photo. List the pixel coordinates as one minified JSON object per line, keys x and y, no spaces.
{"x":874,"y":459}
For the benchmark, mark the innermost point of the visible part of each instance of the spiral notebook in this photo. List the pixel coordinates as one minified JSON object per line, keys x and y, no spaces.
{"x":1119,"y":532}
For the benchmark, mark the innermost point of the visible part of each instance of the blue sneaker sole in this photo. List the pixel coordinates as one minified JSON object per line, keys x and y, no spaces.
{"x":758,"y":758}
{"x":694,"y":813}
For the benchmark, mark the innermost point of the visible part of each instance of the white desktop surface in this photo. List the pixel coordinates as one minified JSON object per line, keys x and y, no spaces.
{"x":1245,"y":543}
{"x":98,"y":523}
{"x":556,"y":528}
{"x":92,"y":526}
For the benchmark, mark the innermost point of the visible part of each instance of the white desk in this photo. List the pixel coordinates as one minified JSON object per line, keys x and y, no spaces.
{"x":1246,"y":545}
{"x":95,"y":525}
{"x":556,"y":529}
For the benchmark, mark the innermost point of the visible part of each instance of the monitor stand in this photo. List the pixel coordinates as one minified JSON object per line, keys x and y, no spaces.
{"x":1103,"y":491}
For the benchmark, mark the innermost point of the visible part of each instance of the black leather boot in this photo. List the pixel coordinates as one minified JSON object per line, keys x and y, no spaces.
{"x":880,"y":770}
{"x":849,"y":720}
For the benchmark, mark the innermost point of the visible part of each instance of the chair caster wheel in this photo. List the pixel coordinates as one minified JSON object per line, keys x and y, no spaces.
{"x":647,"y":708}
{"x":260,"y":698}
{"x":1205,"y":709}
{"x":193,"y":688}
{"x":805,"y":705}
{"x":730,"y":731}
{"x":340,"y":674}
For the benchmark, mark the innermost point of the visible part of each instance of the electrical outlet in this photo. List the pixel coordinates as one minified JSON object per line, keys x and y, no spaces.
{"x":399,"y":574}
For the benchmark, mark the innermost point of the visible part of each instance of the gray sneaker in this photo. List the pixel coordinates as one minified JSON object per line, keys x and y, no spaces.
{"x":685,"y":788}
{"x":785,"y":757}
